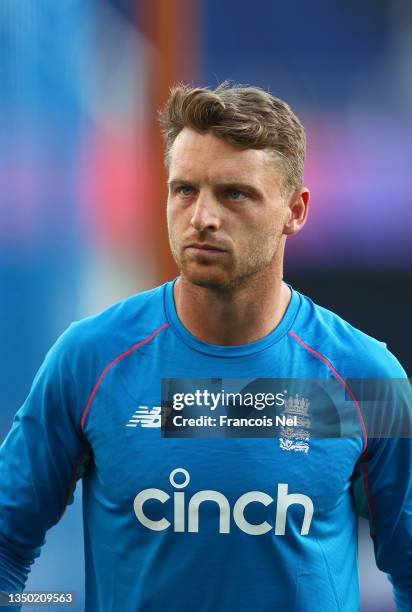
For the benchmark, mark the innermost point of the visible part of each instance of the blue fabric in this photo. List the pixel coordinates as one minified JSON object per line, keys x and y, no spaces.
{"x":166,"y":552}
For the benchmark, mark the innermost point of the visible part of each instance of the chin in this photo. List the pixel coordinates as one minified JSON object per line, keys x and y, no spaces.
{"x":209,"y":278}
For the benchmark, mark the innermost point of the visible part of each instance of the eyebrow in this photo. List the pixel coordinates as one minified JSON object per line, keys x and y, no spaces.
{"x":250,"y":189}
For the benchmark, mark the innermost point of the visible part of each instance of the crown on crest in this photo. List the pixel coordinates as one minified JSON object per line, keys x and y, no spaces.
{"x":297,"y":405}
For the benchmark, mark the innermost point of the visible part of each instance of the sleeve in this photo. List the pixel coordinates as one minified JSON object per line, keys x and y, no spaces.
{"x":383,"y":484}
{"x":40,"y":460}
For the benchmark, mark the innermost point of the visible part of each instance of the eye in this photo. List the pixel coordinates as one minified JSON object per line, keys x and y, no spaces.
{"x":235,"y":194}
{"x":185,"y":191}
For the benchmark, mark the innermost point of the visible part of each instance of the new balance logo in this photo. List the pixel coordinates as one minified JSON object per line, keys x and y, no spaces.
{"x":146,"y":417}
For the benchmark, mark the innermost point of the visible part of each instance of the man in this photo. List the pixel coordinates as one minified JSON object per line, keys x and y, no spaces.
{"x":225,"y":523}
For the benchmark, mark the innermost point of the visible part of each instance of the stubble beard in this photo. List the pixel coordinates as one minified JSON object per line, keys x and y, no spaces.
{"x":234,"y":277}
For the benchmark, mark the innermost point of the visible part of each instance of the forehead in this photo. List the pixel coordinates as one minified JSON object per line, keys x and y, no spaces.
{"x":204,"y":157}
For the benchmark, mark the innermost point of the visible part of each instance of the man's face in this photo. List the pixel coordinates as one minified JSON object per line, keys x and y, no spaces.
{"x":226,"y":199}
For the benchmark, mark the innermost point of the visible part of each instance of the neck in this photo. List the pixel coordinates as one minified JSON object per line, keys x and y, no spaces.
{"x":234,"y":317}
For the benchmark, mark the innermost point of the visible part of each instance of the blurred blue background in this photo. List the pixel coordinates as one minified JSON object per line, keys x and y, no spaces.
{"x":82,"y":185}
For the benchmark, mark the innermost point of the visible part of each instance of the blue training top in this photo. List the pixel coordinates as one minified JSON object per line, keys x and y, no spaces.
{"x":202,"y":524}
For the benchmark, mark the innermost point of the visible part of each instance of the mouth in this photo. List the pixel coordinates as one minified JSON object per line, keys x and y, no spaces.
{"x":204,"y":248}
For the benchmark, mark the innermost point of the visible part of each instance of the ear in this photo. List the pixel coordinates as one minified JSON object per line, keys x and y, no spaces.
{"x":298,"y":211}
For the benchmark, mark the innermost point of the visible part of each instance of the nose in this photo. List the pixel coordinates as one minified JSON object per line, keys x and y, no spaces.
{"x":205,"y":214}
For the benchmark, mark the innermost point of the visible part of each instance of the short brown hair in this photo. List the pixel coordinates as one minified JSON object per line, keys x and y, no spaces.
{"x":247,"y":117}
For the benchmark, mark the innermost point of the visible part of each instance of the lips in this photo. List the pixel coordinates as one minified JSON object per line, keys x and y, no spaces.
{"x":203,"y":247}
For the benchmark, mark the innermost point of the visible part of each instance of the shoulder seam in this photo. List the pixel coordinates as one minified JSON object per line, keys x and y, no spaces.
{"x":336,"y":374}
{"x":112,"y":363}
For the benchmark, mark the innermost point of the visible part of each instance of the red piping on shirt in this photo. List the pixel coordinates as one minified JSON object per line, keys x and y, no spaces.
{"x":355,"y":401}
{"x":112,"y":363}
{"x":340,"y":379}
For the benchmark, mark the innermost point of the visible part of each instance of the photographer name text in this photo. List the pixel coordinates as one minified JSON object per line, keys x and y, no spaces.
{"x":225,"y":421}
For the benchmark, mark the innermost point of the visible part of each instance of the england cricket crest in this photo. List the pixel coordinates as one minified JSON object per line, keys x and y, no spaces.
{"x":296,"y":438}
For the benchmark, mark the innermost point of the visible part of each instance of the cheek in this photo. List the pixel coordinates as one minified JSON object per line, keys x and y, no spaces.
{"x":172,"y":219}
{"x":177,"y":230}
{"x":262,"y":238}
{"x":169,"y":213}
{"x":274,"y":224}
{"x":176,"y":215}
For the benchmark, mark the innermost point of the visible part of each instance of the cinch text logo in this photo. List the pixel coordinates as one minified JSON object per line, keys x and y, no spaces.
{"x":283,"y":501}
